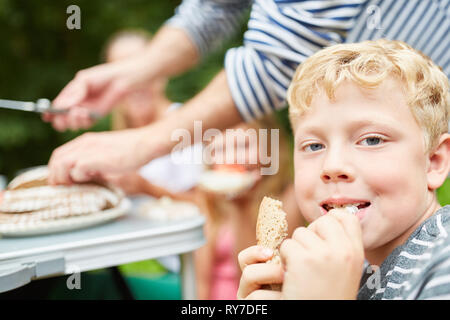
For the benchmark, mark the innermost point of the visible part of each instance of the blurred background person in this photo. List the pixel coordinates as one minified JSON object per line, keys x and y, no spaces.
{"x":147,"y":104}
{"x":231,"y":223}
{"x":161,"y":176}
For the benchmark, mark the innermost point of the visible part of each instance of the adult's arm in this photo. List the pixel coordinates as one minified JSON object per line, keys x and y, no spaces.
{"x":197,"y":28}
{"x":280,"y":36}
{"x":98,"y":154}
{"x":99,"y":88}
{"x":209,"y":22}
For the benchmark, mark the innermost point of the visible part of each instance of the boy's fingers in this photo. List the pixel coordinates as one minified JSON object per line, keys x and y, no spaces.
{"x":290,"y":250}
{"x":351,"y":225}
{"x":256,"y":275}
{"x":253,"y":254}
{"x":349,"y":222}
{"x":264,"y":295}
{"x":328,"y":228}
{"x":306,"y":238}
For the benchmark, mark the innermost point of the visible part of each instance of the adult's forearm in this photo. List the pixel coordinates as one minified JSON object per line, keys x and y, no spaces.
{"x":209,"y":22}
{"x":214,"y":107}
{"x":99,"y":154}
{"x":171,"y":52}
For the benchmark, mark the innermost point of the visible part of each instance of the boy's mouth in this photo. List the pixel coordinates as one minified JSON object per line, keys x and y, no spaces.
{"x":359,"y":205}
{"x":352,"y":205}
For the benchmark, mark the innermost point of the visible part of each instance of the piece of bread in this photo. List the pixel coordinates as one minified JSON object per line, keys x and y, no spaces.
{"x":38,"y":198}
{"x":35,"y":177}
{"x":271,"y":229}
{"x":28,"y":199}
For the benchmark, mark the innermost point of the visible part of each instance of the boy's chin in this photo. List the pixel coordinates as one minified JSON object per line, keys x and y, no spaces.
{"x":372,"y":242}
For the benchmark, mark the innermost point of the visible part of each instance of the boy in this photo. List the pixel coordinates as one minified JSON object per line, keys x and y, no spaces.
{"x":370,"y":125}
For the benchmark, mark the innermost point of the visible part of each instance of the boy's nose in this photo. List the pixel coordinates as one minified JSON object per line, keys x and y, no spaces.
{"x":335,"y":169}
{"x":335,"y":177}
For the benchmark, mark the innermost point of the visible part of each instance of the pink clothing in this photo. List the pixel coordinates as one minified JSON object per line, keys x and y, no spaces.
{"x":225,"y":273}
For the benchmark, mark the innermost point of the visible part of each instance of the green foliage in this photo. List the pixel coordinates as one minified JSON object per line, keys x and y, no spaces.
{"x":143,"y":267}
{"x":443,"y":193}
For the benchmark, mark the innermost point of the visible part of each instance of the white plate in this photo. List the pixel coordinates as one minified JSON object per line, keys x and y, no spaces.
{"x":65,"y":224}
{"x":228,"y":183}
{"x":167,"y":209}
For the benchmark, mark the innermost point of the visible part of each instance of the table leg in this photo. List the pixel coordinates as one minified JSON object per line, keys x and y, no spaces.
{"x":121,"y":283}
{"x":188,"y":283}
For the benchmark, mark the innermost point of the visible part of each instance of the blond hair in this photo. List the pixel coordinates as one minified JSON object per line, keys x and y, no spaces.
{"x":368,"y":64}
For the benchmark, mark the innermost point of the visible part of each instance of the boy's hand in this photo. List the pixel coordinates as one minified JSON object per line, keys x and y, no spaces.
{"x":256,"y":273}
{"x":325,"y":260}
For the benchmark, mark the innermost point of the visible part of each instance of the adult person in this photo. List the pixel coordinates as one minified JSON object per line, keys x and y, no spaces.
{"x":162,"y":176}
{"x":280,"y":35}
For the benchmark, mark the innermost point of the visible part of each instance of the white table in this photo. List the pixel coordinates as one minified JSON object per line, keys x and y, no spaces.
{"x":128,"y":239}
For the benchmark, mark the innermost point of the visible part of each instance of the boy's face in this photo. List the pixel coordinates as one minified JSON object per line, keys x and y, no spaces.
{"x":366,"y":148}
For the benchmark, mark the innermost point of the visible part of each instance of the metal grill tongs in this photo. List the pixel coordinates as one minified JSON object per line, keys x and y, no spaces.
{"x":40,"y":106}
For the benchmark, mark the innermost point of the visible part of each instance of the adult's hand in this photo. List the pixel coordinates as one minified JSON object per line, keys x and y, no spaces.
{"x":95,"y":155}
{"x":96,"y":90}
{"x":99,"y":88}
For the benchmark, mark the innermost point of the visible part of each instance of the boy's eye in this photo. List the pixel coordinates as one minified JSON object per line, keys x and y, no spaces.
{"x":372,"y":141}
{"x":313,"y":147}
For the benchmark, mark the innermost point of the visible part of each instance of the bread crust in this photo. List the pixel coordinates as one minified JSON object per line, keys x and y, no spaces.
{"x":28,"y":199}
{"x":32,"y":178}
{"x":271,"y":229}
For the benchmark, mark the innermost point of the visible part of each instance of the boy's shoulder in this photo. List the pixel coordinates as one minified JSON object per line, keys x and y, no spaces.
{"x":432,"y":263}
{"x":445,"y":212}
{"x":433,"y":234}
{"x":420,"y":268}
{"x":438,"y":225}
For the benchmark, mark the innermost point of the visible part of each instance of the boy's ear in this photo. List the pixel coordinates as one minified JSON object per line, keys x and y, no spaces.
{"x":439,"y":163}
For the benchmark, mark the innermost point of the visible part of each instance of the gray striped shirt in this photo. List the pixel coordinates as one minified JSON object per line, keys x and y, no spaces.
{"x":419,"y":269}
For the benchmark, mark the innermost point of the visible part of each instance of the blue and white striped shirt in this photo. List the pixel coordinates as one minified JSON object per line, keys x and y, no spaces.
{"x":283,"y":33}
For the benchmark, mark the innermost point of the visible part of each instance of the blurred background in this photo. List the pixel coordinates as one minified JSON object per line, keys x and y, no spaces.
{"x":39,"y":55}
